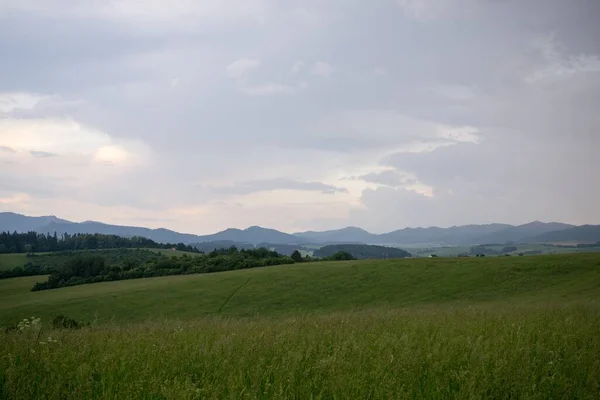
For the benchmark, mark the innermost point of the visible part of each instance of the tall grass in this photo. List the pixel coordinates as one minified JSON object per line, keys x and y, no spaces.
{"x":492,"y":352}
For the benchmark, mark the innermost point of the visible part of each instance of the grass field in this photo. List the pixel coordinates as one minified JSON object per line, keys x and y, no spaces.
{"x":171,"y":253}
{"x":10,"y":261}
{"x":453,"y":251}
{"x":515,"y":327}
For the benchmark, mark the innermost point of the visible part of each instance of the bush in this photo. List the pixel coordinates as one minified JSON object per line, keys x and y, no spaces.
{"x":341,"y":256}
{"x":62,"y":322}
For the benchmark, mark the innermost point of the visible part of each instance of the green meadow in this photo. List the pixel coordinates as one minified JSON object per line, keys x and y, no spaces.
{"x":460,"y":328}
{"x":10,"y":261}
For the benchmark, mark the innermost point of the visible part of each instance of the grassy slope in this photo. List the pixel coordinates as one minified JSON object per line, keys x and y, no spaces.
{"x":171,"y":253}
{"x":318,"y":287}
{"x":520,"y":327}
{"x":521,"y":248}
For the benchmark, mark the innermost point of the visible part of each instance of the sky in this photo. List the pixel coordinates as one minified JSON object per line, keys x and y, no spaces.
{"x":300,"y":115}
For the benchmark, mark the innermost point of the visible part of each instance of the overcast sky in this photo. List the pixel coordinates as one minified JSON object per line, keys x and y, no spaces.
{"x":315,"y":114}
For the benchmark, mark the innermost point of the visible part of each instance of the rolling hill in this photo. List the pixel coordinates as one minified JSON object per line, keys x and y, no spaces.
{"x":350,"y":234}
{"x":158,"y":235}
{"x":11,"y":222}
{"x":254,"y":235}
{"x":386,"y":329}
{"x":583,"y":234}
{"x":311,"y":287}
{"x":522,"y":233}
{"x":453,"y":236}
{"x":466,"y":235}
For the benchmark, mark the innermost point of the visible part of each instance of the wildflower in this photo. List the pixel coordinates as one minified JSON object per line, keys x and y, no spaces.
{"x":50,"y":340}
{"x":27,"y":323}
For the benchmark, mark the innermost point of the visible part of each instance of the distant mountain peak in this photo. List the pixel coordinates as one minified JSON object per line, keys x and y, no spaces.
{"x":353,"y":228}
{"x":533,"y":223}
{"x":432,"y":236}
{"x":257,"y":228}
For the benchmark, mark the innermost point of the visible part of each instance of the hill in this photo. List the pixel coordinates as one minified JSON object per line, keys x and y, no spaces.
{"x":158,"y":235}
{"x":253,"y":235}
{"x":521,"y":233}
{"x":582,"y":234}
{"x":350,"y":234}
{"x":418,"y":328}
{"x":453,"y":236}
{"x":11,"y":222}
{"x":362,"y":251}
{"x":466,"y":235}
{"x":311,"y":287}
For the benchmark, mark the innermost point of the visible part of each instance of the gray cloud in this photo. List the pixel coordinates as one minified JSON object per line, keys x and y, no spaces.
{"x":388,"y":178}
{"x":7,"y":149}
{"x":42,"y":154}
{"x":242,"y":188}
{"x":329,"y":91}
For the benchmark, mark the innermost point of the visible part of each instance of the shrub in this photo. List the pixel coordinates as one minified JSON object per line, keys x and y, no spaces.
{"x":62,"y":322}
{"x":341,"y":256}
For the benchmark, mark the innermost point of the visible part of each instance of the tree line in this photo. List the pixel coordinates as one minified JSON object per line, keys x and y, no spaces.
{"x":82,"y":267}
{"x":361,"y":251}
{"x":33,"y":242}
{"x":101,"y":266}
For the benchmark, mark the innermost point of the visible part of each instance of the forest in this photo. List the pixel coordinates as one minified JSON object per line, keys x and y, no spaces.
{"x":33,"y":242}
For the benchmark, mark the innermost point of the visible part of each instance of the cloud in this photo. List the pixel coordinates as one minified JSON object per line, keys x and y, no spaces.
{"x":10,"y":102}
{"x":389,"y":177}
{"x":7,"y":149}
{"x":430,"y":10}
{"x":395,"y":179}
{"x":243,"y":188}
{"x":297,"y":67}
{"x":241,"y":67}
{"x":149,"y":17}
{"x":380,"y":71}
{"x":111,"y":155}
{"x":42,"y":154}
{"x":322,"y":68}
{"x":14,"y":199}
{"x":385,"y":131}
{"x":423,"y":124}
{"x":455,"y":92}
{"x":50,"y":137}
{"x":267,"y":89}
{"x":559,"y":66}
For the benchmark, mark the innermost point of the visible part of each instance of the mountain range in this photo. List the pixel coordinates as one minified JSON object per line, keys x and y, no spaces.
{"x":534,"y":232}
